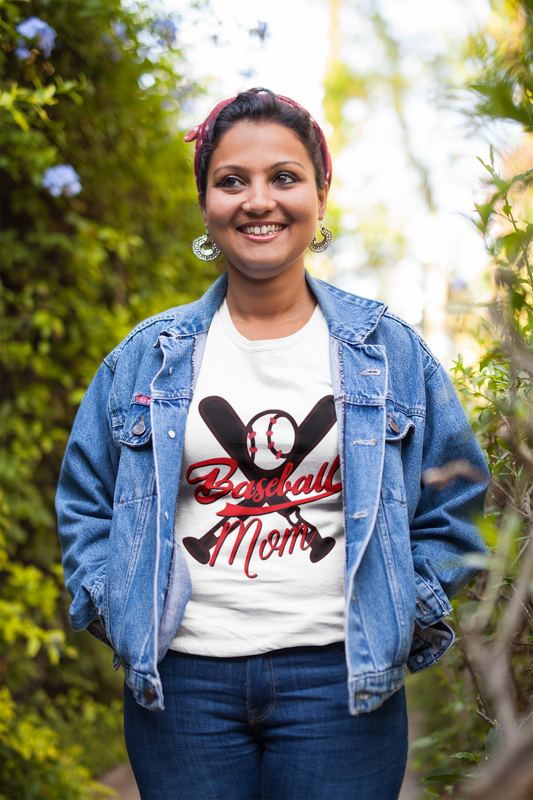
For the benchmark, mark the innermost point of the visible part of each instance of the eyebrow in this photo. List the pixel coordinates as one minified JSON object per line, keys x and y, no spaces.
{"x":243,"y":169}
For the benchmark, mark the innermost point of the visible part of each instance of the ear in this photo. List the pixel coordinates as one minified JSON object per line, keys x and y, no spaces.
{"x":323,"y":201}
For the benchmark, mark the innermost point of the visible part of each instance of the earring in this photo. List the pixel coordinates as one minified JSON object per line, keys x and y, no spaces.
{"x":208,"y":254}
{"x":319,"y":247}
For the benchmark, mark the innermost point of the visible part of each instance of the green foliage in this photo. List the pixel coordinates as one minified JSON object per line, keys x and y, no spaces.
{"x":342,"y":84}
{"x":38,"y":761}
{"x":503,"y":86}
{"x":79,"y":270}
{"x":497,"y":394}
{"x":478,"y":701}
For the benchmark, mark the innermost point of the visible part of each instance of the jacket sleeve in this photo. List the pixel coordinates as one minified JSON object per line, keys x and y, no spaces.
{"x":444,"y":534}
{"x":84,"y":505}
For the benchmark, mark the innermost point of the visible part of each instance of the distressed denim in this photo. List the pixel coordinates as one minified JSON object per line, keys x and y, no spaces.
{"x":398,"y":415}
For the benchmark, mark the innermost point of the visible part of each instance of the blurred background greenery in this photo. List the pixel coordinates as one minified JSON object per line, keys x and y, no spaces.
{"x":98,"y":215}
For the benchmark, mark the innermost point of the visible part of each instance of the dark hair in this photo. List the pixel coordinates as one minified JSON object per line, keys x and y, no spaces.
{"x":260,"y":106}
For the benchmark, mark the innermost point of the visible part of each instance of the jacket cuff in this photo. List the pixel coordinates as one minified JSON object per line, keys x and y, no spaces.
{"x":432,"y":604}
{"x":87,"y":604}
{"x":429,"y":645}
{"x":147,"y":690}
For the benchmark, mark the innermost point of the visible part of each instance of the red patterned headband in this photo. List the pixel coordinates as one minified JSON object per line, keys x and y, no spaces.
{"x":200,"y":131}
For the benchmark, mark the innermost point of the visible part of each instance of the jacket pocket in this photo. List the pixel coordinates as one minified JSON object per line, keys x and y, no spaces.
{"x":136,"y":472}
{"x":398,"y":436}
{"x":137,"y":429}
{"x":398,"y":424}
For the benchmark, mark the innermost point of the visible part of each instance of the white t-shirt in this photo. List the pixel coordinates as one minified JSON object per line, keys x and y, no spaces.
{"x":259,"y":514}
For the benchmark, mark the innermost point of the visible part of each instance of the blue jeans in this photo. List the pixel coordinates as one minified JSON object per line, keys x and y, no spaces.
{"x":269,"y":727}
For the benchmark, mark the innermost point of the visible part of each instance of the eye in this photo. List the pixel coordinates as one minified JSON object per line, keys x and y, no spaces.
{"x":285,"y":178}
{"x":229,"y":182}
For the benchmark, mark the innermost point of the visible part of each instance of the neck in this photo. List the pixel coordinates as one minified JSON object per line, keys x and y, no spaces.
{"x":270,"y":308}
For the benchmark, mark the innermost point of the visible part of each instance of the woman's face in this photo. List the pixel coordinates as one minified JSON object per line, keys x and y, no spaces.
{"x":262,"y":204}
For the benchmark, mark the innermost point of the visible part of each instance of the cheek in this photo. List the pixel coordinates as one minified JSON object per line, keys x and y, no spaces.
{"x":306,"y":207}
{"x":219,"y":212}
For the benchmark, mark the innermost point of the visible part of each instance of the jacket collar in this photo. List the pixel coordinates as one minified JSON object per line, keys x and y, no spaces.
{"x":349,"y":317}
{"x":196,"y":317}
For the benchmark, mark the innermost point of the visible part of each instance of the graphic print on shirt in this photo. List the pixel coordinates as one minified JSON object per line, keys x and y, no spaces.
{"x":252,"y":449}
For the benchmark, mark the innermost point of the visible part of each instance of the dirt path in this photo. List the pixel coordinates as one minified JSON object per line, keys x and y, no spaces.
{"x":121,"y":779}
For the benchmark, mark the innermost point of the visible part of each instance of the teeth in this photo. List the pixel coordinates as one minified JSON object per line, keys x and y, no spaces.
{"x":263,"y":230}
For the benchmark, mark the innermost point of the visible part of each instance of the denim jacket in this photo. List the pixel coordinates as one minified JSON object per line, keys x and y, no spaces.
{"x":397,"y":415}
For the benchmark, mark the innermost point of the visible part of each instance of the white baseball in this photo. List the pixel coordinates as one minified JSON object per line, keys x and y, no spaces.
{"x":270,"y":440}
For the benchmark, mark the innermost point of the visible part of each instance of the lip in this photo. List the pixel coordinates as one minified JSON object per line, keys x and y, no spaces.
{"x":262,"y":237}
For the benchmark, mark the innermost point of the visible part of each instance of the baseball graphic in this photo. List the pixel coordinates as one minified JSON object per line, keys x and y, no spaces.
{"x":271,"y":439}
{"x":268,"y":445}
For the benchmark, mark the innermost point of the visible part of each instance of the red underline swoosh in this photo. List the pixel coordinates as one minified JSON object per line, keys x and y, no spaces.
{"x":232,"y":510}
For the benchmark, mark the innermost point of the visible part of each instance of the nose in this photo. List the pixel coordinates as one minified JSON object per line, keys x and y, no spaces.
{"x":259,"y":198}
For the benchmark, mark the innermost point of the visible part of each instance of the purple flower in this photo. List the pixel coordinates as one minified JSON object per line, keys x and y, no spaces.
{"x":21,"y":50}
{"x":166,"y":30}
{"x":34,"y":27}
{"x":181,"y":91}
{"x":120,"y":30}
{"x":261,"y":31}
{"x":62,"y":179}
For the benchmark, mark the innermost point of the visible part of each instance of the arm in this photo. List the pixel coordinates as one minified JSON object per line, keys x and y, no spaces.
{"x":443,"y":529}
{"x":84,"y":504}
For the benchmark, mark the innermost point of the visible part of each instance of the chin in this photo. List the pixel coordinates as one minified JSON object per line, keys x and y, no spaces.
{"x":262,"y":271}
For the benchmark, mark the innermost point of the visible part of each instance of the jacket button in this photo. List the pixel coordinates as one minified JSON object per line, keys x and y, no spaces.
{"x":423,"y":608}
{"x":139,"y":429}
{"x":393,"y":425}
{"x":172,"y":434}
{"x":148,"y":695}
{"x":419,"y":659}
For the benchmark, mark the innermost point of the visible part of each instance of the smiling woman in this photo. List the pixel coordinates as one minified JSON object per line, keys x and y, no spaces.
{"x":241,"y":506}
{"x":262,"y":205}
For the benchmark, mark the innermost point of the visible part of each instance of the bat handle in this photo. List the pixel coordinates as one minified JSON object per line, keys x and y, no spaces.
{"x":318,"y":545}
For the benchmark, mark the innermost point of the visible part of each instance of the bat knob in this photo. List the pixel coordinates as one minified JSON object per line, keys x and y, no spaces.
{"x":321,"y":548}
{"x":197,"y":549}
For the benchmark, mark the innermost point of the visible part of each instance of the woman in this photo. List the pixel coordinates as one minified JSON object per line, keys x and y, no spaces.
{"x":264,"y":621}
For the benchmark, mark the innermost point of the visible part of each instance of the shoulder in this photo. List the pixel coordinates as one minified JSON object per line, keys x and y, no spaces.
{"x":405,"y":344}
{"x":185,"y":320}
{"x":145,"y":334}
{"x":360,"y":320}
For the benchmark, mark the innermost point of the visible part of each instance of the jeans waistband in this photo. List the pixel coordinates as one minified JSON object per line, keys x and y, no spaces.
{"x":319,"y":648}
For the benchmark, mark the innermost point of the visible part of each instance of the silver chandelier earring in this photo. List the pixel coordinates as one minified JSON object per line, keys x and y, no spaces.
{"x":319,"y":247}
{"x":204,"y":247}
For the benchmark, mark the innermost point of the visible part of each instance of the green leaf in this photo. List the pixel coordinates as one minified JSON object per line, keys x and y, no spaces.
{"x":19,"y":118}
{"x":485,"y":211}
{"x":443,"y":777}
{"x":424,"y":741}
{"x":512,"y":243}
{"x":469,"y":756}
{"x":519,"y":300}
{"x":494,"y":740}
{"x":524,"y":176}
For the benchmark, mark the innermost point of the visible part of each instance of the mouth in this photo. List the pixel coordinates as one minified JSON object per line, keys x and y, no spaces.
{"x":264,"y":232}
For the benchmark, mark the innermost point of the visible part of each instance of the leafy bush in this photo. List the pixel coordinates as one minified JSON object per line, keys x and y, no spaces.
{"x":97,"y":221}
{"x":479,"y":703}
